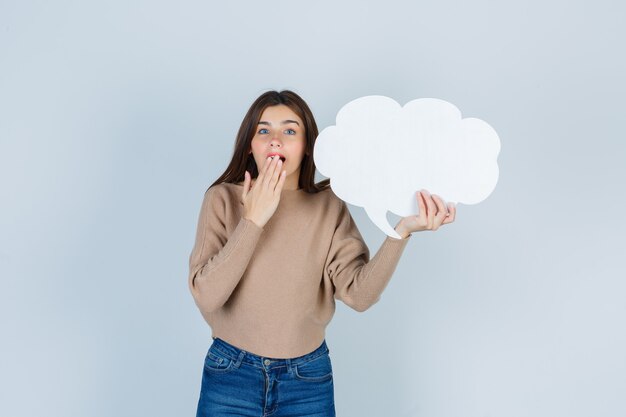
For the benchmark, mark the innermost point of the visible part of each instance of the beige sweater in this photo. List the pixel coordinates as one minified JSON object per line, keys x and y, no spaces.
{"x":271,"y":290}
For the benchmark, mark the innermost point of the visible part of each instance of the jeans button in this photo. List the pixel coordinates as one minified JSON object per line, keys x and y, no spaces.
{"x":267,"y":361}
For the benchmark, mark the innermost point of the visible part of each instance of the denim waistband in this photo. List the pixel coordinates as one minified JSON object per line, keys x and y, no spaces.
{"x":241,"y":355}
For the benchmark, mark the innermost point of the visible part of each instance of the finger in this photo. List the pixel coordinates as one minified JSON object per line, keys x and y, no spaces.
{"x":246,"y":186}
{"x":421,"y":216}
{"x":276,"y":174}
{"x":422,"y":205}
{"x":275,"y":169}
{"x":281,"y":181}
{"x":267,"y":163}
{"x":442,"y":212}
{"x":263,"y":170}
{"x":451,"y":215}
{"x":441,"y":206}
{"x":271,"y":165}
{"x":430,"y":209}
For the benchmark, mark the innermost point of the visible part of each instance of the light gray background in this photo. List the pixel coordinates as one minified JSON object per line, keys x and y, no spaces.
{"x":116,"y":116}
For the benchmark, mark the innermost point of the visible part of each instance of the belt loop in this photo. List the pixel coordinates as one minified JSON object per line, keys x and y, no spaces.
{"x":239,"y":359}
{"x":288,"y":365}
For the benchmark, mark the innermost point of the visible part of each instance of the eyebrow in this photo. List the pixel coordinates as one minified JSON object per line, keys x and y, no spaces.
{"x":282,"y":123}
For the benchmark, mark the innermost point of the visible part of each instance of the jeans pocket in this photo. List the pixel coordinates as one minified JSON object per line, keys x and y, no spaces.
{"x":316,"y":370}
{"x":216,"y":361}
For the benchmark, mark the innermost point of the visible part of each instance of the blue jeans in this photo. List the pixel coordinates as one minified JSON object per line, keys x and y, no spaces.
{"x":236,"y":382}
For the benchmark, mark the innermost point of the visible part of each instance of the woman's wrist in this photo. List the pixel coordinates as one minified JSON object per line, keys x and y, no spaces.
{"x":402,"y":231}
{"x":258,"y":223}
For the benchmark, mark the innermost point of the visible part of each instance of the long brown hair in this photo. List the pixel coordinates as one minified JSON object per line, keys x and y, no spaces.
{"x":242,"y":160}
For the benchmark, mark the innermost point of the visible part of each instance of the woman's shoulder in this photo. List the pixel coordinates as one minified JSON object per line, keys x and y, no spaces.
{"x":225,"y":190}
{"x":220,"y":193}
{"x":331,"y":196}
{"x":225,"y":186}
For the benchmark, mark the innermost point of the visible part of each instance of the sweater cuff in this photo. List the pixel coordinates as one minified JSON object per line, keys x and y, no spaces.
{"x":243,"y":239}
{"x":392,"y":248}
{"x":399,"y":239}
{"x":246,"y":235}
{"x":250,"y":223}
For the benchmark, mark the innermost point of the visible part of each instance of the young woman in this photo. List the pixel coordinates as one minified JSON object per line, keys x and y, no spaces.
{"x":273,"y":251}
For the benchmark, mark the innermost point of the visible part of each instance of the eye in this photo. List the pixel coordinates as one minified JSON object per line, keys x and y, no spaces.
{"x":291,"y":130}
{"x":263,"y":131}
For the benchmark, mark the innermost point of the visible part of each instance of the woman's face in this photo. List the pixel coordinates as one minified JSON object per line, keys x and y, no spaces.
{"x":281,"y":131}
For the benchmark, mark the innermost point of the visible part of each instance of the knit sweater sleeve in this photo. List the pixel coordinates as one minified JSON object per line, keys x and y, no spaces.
{"x":218,"y":260}
{"x":359,"y":281}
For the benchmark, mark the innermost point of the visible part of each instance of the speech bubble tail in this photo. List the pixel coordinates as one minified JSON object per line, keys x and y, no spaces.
{"x":379,"y":218}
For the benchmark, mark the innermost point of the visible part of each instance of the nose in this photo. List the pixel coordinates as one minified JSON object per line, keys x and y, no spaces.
{"x":275,"y":142}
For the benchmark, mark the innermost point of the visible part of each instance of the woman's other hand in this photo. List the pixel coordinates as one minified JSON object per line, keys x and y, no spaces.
{"x":260,"y":199}
{"x":432,"y":214}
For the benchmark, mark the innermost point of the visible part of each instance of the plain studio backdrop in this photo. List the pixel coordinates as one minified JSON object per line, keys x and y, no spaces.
{"x":116,"y":116}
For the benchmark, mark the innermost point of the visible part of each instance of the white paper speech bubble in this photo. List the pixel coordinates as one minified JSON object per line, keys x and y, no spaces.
{"x":379,"y":154}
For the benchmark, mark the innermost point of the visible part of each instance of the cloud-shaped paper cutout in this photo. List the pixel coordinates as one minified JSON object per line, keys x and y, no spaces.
{"x":379,"y":154}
